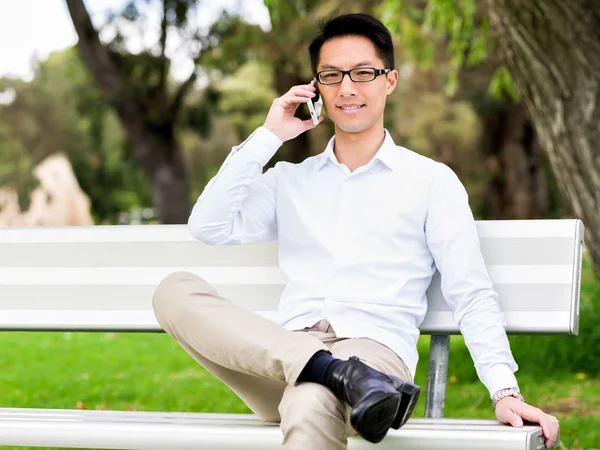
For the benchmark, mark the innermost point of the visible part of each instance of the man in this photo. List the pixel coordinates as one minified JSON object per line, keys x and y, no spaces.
{"x":361,"y":229}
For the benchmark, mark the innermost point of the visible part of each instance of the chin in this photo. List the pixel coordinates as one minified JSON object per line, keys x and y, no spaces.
{"x":352,"y":127}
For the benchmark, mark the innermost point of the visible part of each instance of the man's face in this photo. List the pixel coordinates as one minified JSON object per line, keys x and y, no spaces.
{"x":346,"y":53}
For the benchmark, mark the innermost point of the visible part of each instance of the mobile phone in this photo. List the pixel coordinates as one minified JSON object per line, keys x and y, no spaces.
{"x":315,"y":105}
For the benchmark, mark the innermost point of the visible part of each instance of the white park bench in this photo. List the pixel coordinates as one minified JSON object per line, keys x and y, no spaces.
{"x":102,"y":279}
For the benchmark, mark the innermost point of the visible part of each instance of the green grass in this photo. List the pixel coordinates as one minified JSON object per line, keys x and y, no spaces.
{"x":150,"y":372}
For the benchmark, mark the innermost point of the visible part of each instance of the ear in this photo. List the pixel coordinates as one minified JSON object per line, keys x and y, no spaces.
{"x":392,"y":81}
{"x":315,"y":83}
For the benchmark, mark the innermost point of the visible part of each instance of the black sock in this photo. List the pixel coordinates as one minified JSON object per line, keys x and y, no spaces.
{"x":318,"y":368}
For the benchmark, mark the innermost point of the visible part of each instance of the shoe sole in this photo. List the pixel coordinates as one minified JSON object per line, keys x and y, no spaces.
{"x":410,"y":395}
{"x":373,"y":423}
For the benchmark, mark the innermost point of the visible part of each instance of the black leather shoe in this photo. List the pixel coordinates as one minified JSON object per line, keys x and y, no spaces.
{"x":379,"y":401}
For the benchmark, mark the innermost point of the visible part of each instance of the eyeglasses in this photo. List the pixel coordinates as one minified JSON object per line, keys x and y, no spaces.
{"x":359,"y":75}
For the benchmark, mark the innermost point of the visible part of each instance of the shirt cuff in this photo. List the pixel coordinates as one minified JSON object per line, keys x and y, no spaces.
{"x":500,"y":376}
{"x":262,"y":145}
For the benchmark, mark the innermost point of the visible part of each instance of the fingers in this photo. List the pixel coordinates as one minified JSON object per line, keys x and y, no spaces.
{"x":304,"y":90}
{"x":516,"y":421}
{"x":550,"y":428}
{"x":309,"y":124}
{"x":303,"y":86}
{"x":548,"y":423}
{"x":293,"y":100}
{"x":296,"y":95}
{"x":510,"y":415}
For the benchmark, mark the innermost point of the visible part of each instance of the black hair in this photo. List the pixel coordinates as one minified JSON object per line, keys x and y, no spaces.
{"x":363,"y":25}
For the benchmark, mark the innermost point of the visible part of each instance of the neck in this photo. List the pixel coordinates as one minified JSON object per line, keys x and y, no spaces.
{"x":357,"y":149}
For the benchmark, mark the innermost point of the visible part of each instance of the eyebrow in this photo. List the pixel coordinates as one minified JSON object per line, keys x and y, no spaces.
{"x":362,"y":63}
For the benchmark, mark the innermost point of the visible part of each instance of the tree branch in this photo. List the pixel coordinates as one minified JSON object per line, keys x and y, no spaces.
{"x":95,"y":55}
{"x":163,"y":44}
{"x":185,"y":87}
{"x":183,"y":90}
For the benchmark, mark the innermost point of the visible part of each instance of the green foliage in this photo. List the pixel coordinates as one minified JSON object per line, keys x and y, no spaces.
{"x":177,"y":11}
{"x":403,"y":20}
{"x":35,"y":125}
{"x":456,"y":19}
{"x":148,"y":101}
{"x":274,"y":9}
{"x":247,"y":96}
{"x":453,"y":26}
{"x":285,"y":45}
{"x":104,"y":165}
{"x":444,"y":123}
{"x":238,"y":43}
{"x":61,"y":110}
{"x":16,"y":168}
{"x":145,"y":74}
{"x":503,"y":82}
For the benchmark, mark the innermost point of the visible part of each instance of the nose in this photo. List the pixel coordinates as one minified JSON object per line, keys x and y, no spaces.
{"x":347,"y":86}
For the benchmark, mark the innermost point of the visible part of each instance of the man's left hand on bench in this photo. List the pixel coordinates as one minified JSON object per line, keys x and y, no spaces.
{"x":511,"y":410}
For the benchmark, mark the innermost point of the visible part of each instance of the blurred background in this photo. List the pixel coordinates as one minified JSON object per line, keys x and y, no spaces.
{"x":185,"y":97}
{"x":121,"y":111}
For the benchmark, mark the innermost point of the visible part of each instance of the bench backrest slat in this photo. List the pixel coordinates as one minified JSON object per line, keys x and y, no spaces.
{"x":103,"y":277}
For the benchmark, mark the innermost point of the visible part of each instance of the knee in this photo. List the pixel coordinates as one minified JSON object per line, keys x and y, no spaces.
{"x":268,"y":416}
{"x":167,"y":297}
{"x":308,"y":403}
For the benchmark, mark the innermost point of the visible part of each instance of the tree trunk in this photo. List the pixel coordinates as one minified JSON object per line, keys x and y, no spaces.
{"x":165,"y":170}
{"x":517,"y":188}
{"x":153,"y":142}
{"x":552,"y":49}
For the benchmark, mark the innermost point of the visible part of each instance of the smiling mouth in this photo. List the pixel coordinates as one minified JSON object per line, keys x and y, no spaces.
{"x":351,"y":108}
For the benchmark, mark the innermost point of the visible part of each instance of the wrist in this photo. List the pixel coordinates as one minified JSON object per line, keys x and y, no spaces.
{"x":504,"y":393}
{"x":275,"y":131}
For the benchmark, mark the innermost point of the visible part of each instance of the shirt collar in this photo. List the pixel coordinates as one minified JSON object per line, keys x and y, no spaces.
{"x":388,"y":153}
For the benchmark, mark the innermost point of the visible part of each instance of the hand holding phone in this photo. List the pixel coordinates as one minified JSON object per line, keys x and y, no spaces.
{"x":281,"y":119}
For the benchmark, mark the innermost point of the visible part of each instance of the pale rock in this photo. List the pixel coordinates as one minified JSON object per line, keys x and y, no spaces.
{"x":57,"y":201}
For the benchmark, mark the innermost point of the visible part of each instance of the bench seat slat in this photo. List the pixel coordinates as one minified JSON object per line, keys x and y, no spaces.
{"x":522,"y":322}
{"x":182,"y":431}
{"x":90,"y":320}
{"x":530,"y":228}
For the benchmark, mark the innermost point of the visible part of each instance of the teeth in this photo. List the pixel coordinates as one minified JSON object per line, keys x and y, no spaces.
{"x":350,"y":108}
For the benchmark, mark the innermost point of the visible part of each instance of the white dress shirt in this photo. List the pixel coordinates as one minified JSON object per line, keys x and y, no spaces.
{"x":359,"y":248}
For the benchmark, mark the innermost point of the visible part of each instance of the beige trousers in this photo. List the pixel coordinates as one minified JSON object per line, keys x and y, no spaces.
{"x":260,"y":361}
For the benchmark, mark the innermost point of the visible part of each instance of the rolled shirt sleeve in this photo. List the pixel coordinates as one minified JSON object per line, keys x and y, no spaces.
{"x":238,"y":205}
{"x":454,"y":244}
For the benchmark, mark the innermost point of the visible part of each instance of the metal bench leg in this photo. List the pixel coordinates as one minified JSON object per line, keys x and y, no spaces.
{"x":439,"y":350}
